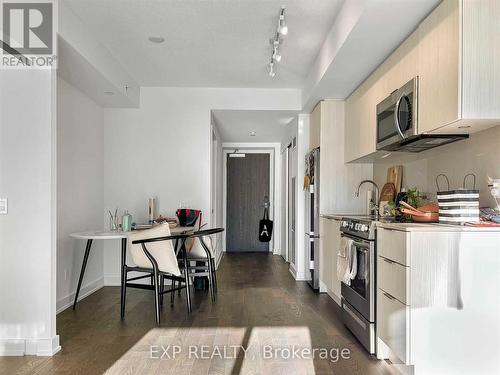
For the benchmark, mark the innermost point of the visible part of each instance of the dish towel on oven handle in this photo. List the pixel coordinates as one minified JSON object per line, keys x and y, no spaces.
{"x":344,"y":260}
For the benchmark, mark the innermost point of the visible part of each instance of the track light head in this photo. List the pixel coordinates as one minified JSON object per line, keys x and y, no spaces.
{"x":276,"y":55}
{"x":282,"y":27}
{"x":272,"y":72}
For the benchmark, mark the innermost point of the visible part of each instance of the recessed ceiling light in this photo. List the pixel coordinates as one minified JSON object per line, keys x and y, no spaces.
{"x":252,"y":134}
{"x":109,"y":93}
{"x":156,"y":39}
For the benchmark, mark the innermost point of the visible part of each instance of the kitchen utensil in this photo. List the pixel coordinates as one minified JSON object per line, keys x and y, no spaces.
{"x":395,"y":176}
{"x":387,"y":194}
{"x":429,"y":207}
{"x":422,"y":217}
{"x":409,"y":206}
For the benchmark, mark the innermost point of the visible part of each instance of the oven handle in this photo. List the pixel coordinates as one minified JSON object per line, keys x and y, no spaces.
{"x":363,"y":245}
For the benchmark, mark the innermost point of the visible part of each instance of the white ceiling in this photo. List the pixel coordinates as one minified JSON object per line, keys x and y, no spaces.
{"x":269,"y":126}
{"x":210,"y":43}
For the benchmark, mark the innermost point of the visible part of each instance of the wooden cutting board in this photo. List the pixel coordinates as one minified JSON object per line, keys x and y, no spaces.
{"x":395,"y":176}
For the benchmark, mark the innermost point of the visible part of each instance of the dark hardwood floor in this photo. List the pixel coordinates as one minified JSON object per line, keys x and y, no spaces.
{"x":259,"y":306}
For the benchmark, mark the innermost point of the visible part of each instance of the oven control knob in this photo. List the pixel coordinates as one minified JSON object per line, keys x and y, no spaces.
{"x":357,"y":226}
{"x":364,"y":228}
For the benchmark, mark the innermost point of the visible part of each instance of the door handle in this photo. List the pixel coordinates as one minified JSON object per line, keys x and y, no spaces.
{"x":396,"y":117}
{"x":387,"y":260}
{"x":388,"y":296}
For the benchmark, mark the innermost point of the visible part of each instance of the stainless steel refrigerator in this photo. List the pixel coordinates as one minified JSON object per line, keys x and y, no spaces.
{"x":311,"y":180}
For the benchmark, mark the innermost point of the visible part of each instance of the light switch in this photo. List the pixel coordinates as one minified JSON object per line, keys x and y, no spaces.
{"x":3,"y":206}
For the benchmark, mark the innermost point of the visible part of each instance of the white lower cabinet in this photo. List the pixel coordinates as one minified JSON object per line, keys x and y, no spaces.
{"x":393,"y":292}
{"x":394,"y":279}
{"x":393,"y":320}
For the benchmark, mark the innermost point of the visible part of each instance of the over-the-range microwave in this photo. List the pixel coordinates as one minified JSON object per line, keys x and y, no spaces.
{"x":397,"y":123}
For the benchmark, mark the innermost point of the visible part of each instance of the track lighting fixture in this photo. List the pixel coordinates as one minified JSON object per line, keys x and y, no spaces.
{"x":276,"y":55}
{"x":272,"y":72}
{"x":282,"y":27}
{"x":276,"y":41}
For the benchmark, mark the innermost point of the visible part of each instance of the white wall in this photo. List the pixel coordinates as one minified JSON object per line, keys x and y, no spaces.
{"x":27,"y":233}
{"x":80,"y":190}
{"x":479,"y":154}
{"x":162,"y":149}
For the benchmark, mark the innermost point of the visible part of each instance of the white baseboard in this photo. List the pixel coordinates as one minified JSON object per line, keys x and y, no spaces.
{"x":85,"y":291}
{"x":38,"y":347}
{"x":43,"y":347}
{"x":333,"y":296}
{"x":112,"y":280}
{"x":12,"y":347}
{"x":298,"y":276}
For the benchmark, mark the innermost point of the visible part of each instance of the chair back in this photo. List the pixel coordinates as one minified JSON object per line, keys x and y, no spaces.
{"x":200,"y":243}
{"x":162,"y":251}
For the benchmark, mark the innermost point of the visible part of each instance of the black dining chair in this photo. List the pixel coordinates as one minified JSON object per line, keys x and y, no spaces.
{"x":201,"y":258}
{"x":153,"y":253}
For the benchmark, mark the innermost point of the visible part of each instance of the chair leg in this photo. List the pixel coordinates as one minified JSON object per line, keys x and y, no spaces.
{"x":172,"y":294}
{"x":162,"y":289}
{"x":186,"y":278}
{"x":210,"y":279}
{"x":124,"y":292}
{"x":157,"y":296}
{"x":214,"y":273}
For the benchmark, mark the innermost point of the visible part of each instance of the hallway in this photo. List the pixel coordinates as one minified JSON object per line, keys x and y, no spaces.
{"x":259,"y":307}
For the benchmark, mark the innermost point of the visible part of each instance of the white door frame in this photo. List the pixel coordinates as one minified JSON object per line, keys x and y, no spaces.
{"x":273,"y":149}
{"x":285,"y":158}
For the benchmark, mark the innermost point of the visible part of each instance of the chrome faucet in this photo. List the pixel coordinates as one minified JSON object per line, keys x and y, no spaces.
{"x":375,"y":200}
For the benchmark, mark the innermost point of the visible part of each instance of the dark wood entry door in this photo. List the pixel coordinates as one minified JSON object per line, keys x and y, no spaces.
{"x":247,"y":186}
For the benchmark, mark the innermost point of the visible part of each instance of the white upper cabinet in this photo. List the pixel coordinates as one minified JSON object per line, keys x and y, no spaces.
{"x":455,"y":53}
{"x":338,"y":181}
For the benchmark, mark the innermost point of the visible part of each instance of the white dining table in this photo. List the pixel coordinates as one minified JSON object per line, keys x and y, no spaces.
{"x":90,"y":236}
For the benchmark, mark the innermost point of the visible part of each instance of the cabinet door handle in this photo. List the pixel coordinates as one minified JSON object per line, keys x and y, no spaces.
{"x":387,"y":260}
{"x":388,"y":295}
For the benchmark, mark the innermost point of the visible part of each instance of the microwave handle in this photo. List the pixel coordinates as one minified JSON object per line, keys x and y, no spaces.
{"x":396,"y":117}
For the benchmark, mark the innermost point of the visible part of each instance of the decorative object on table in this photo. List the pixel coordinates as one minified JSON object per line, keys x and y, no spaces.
{"x":172,"y":221}
{"x":188,"y":217}
{"x":494,"y":185}
{"x":114,"y":224}
{"x":151,"y":210}
{"x":265,"y":227}
{"x":126,"y":221}
{"x":458,"y":206}
{"x":141,"y":226}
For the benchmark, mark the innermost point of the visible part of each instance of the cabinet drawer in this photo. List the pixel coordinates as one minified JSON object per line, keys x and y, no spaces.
{"x":393,"y":320}
{"x":394,"y":278}
{"x":392,"y":244}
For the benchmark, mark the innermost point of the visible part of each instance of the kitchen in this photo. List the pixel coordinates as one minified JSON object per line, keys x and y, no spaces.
{"x":430,"y":109}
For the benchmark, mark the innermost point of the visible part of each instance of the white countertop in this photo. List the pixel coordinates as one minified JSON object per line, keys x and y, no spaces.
{"x":434,"y":227}
{"x":416,"y":227}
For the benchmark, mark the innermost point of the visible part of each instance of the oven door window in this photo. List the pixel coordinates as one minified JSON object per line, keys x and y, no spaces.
{"x":386,"y":127}
{"x":360,"y":282}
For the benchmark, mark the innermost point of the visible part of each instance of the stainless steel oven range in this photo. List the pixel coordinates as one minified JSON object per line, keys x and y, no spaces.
{"x":358,"y":298}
